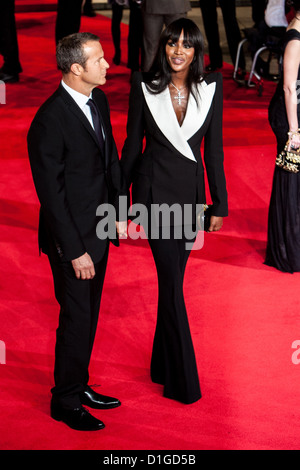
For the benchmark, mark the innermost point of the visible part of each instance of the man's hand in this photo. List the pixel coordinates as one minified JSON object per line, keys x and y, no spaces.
{"x":215,"y":223}
{"x":84,"y":267}
{"x":122,"y":228}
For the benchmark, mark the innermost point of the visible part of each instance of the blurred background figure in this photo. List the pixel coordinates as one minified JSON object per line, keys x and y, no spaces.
{"x":68,"y":18}
{"x":9,"y":49}
{"x":135,"y":36}
{"x":258,"y":11}
{"x":135,"y":33}
{"x":117,"y":7}
{"x":156,"y":14}
{"x":271,"y":29}
{"x":87,"y":9}
{"x":233,"y":34}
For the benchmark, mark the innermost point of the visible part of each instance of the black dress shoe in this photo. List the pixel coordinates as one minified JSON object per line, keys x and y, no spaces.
{"x":97,"y":401}
{"x":78,"y":418}
{"x":8,"y":77}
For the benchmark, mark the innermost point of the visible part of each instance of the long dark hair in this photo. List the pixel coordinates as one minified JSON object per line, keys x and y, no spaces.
{"x":159,"y":75}
{"x":294,"y":3}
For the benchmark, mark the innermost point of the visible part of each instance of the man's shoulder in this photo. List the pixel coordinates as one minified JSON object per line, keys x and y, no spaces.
{"x":51,"y":103}
{"x":50,"y":112}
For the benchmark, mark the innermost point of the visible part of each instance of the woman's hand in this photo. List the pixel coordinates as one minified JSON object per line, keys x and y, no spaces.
{"x":294,"y":140}
{"x":215,"y":223}
{"x":122,"y":228}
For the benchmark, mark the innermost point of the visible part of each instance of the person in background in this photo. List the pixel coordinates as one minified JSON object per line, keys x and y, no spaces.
{"x":258,"y":11}
{"x":175,"y":106}
{"x":87,"y":9}
{"x":68,"y":18}
{"x":283,"y":244}
{"x":233,"y":34}
{"x":117,"y":7}
{"x":156,"y":15}
{"x":274,"y":25}
{"x":135,"y":33}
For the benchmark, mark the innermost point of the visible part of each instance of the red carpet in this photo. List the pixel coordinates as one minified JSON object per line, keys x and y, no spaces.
{"x":244,"y":316}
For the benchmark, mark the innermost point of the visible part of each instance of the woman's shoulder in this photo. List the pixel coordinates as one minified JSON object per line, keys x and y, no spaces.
{"x":290,"y":35}
{"x":140,"y":77}
{"x":212,"y":77}
{"x":291,"y":31}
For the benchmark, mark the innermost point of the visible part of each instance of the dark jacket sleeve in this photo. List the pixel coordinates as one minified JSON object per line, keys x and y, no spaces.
{"x":116,"y":178}
{"x":133,"y":145}
{"x":46,"y":155}
{"x":214,"y":155}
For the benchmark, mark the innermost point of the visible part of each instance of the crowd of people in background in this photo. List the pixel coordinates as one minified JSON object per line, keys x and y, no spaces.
{"x":147,"y":18}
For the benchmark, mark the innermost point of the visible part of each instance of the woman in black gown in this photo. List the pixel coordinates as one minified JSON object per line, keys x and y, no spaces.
{"x":175,"y":106}
{"x":283,"y":247}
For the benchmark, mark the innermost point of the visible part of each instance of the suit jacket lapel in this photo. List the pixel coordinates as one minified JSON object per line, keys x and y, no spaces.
{"x":197,"y":112}
{"x":164,"y":115}
{"x":75,"y":109}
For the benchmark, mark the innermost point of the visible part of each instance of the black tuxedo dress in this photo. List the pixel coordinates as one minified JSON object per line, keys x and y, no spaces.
{"x":169,"y":169}
{"x":73,"y":176}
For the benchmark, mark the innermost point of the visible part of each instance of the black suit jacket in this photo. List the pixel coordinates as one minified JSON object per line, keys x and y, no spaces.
{"x":170,"y":167}
{"x":71,"y":176}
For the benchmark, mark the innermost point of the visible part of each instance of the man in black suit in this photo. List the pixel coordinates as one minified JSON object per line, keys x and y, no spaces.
{"x":75,"y":167}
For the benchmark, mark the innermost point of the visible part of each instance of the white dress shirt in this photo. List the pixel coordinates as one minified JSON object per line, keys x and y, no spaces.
{"x":81,"y":100}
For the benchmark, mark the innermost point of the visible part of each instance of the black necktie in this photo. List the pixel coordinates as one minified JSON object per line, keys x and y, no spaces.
{"x":97,"y":123}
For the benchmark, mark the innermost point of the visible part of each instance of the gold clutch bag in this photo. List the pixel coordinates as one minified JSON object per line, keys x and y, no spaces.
{"x":289,"y":159}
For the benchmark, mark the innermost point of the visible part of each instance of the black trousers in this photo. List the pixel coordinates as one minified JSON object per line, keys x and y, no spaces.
{"x":68,"y":18}
{"x":135,"y":37}
{"x":8,"y":38}
{"x":135,"y":34}
{"x":79,"y":302}
{"x":173,"y":362}
{"x":258,"y":11}
{"x":233,"y":34}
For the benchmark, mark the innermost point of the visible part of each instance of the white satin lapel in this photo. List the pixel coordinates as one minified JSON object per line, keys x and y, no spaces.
{"x":164,"y":115}
{"x":196,"y":115}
